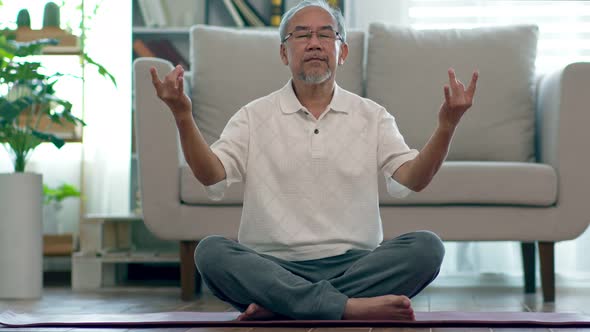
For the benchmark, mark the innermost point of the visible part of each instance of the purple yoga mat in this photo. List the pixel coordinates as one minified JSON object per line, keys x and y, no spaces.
{"x":227,"y":319}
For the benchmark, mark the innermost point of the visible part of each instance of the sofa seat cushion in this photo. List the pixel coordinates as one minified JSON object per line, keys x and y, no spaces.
{"x":457,"y":182}
{"x":406,"y":71}
{"x":470,"y":182}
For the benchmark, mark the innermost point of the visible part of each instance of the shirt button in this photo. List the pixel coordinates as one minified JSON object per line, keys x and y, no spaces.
{"x":316,"y":131}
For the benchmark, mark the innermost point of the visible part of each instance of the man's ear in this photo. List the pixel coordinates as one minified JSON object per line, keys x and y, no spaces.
{"x":343,"y":53}
{"x":283,"y":53}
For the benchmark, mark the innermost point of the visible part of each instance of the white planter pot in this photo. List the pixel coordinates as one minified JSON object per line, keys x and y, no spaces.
{"x":21,"y":237}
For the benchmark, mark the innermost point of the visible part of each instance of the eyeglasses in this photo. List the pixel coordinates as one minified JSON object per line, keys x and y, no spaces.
{"x":304,"y":36}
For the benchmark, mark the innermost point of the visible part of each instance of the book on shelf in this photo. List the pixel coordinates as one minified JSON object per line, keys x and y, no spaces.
{"x":233,"y":12}
{"x":160,"y":48}
{"x":182,"y":13}
{"x":337,"y":4}
{"x":251,"y":16}
{"x":142,"y":50}
{"x":277,"y":8}
{"x":153,"y":12}
{"x":166,"y":50}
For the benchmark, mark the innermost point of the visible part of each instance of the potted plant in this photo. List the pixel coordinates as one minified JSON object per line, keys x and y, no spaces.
{"x":55,"y":241}
{"x":53,"y":198}
{"x":27,"y":99}
{"x":29,"y":112}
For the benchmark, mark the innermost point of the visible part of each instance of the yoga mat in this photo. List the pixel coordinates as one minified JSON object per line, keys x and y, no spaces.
{"x":227,"y":319}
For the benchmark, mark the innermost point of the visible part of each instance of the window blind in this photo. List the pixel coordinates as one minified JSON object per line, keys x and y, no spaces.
{"x":564,"y":26}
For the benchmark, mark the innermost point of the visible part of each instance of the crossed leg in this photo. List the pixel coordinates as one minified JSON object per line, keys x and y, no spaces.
{"x":402,"y":266}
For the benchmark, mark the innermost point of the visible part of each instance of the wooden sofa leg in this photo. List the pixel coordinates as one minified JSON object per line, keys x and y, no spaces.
{"x":528,"y":264}
{"x":547,"y":258}
{"x":188,"y":272}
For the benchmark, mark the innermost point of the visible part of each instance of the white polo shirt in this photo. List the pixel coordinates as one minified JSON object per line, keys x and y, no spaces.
{"x":310,"y":184}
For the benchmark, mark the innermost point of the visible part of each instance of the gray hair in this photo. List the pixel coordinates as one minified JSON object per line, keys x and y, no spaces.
{"x":334,"y":12}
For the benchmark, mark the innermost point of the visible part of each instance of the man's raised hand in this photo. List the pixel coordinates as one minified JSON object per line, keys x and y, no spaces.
{"x":171,"y":90}
{"x":457,"y":100}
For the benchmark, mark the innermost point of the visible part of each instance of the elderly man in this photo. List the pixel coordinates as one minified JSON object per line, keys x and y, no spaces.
{"x":310,"y":244}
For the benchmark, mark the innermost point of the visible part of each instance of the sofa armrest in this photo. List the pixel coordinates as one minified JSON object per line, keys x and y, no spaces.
{"x":563,"y":114}
{"x":157,"y":149}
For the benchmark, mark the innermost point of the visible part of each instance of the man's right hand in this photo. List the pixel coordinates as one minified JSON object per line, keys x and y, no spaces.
{"x":171,"y":91}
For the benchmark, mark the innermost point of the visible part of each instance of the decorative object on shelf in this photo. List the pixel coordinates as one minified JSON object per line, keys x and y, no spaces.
{"x":23,"y":19}
{"x":51,"y":16}
{"x":68,"y":43}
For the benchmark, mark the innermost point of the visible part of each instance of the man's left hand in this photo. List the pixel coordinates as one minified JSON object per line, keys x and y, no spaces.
{"x":457,"y":100}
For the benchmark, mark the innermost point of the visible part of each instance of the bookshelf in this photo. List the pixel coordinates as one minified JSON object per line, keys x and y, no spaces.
{"x":251,"y":13}
{"x":110,"y":241}
{"x":159,"y":30}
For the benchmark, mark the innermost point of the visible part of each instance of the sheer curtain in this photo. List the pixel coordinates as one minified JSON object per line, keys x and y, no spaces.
{"x":564,"y":38}
{"x":107,"y":138}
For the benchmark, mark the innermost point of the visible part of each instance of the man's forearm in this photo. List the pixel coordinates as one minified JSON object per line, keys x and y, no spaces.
{"x":203,"y":162}
{"x":416,"y":174}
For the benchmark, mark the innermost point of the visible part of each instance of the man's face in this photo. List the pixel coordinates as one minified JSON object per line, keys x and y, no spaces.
{"x":313,"y":60}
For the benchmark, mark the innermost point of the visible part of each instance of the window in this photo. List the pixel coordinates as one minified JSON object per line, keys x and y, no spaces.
{"x":564,"y":26}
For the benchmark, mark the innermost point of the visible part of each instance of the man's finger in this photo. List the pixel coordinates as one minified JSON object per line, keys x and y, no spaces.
{"x":452,"y":77}
{"x":447,"y":94}
{"x":155,"y":80}
{"x":180,"y":84}
{"x":173,"y":75}
{"x":178,"y":70}
{"x":460,"y":86}
{"x":473,"y":83}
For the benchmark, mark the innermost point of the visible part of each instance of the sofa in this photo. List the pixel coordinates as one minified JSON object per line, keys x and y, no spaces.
{"x":516,"y":169}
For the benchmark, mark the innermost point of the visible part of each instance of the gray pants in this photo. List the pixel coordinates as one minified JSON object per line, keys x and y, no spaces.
{"x":319,"y":288}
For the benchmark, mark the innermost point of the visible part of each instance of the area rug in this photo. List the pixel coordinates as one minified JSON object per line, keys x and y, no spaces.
{"x":227,"y":319}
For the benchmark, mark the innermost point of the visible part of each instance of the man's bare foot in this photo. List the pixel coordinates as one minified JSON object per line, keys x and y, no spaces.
{"x":388,"y":307}
{"x":256,"y":312}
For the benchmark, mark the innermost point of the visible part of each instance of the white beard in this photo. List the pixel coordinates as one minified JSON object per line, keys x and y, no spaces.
{"x":315,"y":78}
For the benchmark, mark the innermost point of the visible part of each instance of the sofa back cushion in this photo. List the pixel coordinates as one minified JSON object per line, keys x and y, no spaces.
{"x":231,"y":67}
{"x":407,"y":69}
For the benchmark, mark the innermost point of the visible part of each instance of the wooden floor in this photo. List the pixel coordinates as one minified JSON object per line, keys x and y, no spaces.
{"x":60,"y":299}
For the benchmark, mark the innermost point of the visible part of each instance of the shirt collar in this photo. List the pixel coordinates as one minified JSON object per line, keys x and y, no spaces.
{"x":290,"y":103}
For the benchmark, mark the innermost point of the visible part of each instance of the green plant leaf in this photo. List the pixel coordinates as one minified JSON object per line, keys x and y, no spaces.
{"x":60,"y":193}
{"x":45,"y":137}
{"x":101,"y":69}
{"x":10,"y":110}
{"x":19,"y":78}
